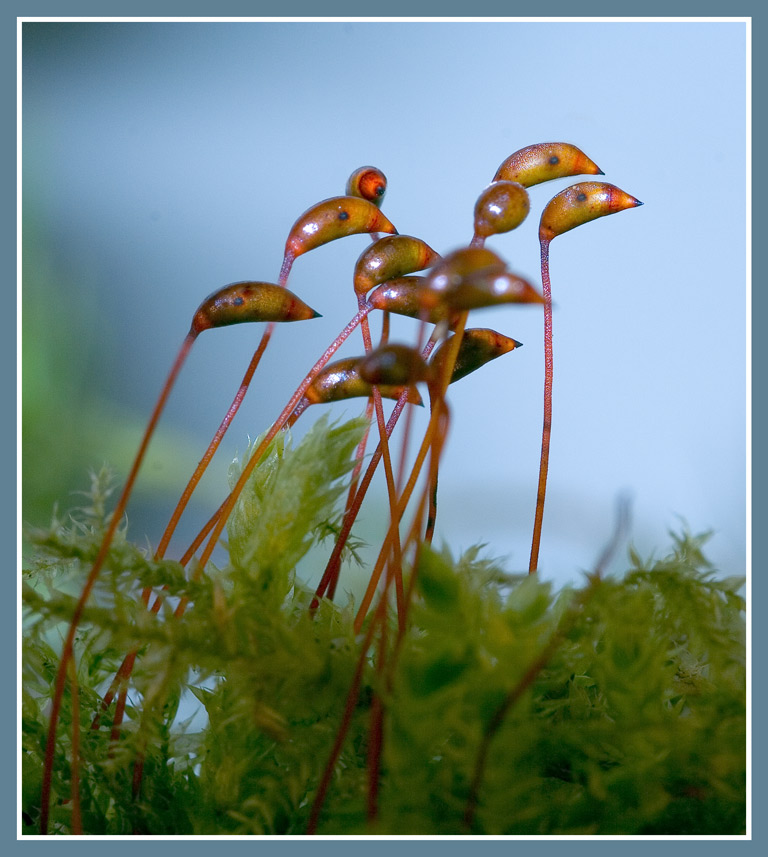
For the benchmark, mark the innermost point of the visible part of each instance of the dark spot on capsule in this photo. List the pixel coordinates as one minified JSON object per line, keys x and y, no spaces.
{"x":554,"y":160}
{"x":343,"y":215}
{"x":581,"y":197}
{"x":238,"y":301}
{"x":380,"y":190}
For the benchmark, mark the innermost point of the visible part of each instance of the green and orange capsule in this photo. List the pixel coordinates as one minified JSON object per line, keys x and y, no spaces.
{"x":581,"y":203}
{"x":342,"y":379}
{"x":329,"y":220}
{"x":478,"y":346}
{"x":544,"y":162}
{"x":395,"y":365}
{"x":403,"y":296}
{"x":390,"y":257}
{"x":500,"y":208}
{"x":475,"y":277}
{"x":250,"y":301}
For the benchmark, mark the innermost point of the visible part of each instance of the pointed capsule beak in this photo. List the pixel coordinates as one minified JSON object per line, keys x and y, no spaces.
{"x":414,"y":397}
{"x":586,"y":166}
{"x":621,"y":200}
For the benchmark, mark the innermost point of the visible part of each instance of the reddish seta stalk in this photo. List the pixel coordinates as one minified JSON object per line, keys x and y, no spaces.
{"x":547,"y":425}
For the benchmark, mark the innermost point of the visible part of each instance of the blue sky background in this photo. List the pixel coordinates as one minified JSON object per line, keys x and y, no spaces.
{"x":163,"y":160}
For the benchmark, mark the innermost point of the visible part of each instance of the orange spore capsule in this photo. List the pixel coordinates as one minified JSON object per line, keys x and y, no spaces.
{"x":390,"y":257}
{"x":478,"y":346}
{"x":250,"y":301}
{"x":394,"y":365}
{"x":491,"y":288}
{"x":456,"y":267}
{"x":368,"y":183}
{"x":501,"y":207}
{"x":334,"y":218}
{"x":341,"y":380}
{"x":403,"y":296}
{"x":581,"y":203}
{"x":543,"y":162}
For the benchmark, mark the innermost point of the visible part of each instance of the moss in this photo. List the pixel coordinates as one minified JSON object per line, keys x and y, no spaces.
{"x":628,"y":693}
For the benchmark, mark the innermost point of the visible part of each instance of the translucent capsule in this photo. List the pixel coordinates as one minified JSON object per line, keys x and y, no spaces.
{"x":250,"y":301}
{"x":390,"y":257}
{"x":581,"y":203}
{"x":545,"y":161}
{"x":341,"y":380}
{"x":331,"y":219}
{"x":501,"y":207}
{"x":479,"y":346}
{"x":367,"y":183}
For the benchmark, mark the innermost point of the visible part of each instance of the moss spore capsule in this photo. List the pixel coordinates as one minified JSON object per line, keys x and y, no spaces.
{"x":341,"y":380}
{"x":475,"y":277}
{"x":543,"y":162}
{"x":334,"y":218}
{"x":581,"y":203}
{"x":390,"y":257}
{"x":491,"y":288}
{"x":403,"y":296}
{"x":455,"y":267}
{"x":395,"y":365}
{"x":368,"y":183}
{"x":250,"y":300}
{"x":501,"y":207}
{"x":479,"y":346}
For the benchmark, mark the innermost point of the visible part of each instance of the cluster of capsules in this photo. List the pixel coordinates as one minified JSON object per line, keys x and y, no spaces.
{"x":385,"y":278}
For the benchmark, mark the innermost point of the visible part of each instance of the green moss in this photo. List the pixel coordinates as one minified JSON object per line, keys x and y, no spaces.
{"x":628,"y":694}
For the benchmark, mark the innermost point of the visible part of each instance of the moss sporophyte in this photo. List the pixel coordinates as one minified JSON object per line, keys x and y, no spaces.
{"x":454,"y":698}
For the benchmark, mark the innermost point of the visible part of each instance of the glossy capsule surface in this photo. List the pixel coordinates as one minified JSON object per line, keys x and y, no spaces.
{"x":368,"y":183}
{"x":250,"y":301}
{"x":394,"y":365}
{"x":334,"y":218}
{"x":479,"y":346}
{"x":454,"y":268}
{"x":543,"y":162}
{"x":490,"y":288}
{"x":581,"y":203}
{"x":403,"y":296}
{"x":389,"y":257}
{"x":501,"y":207}
{"x":341,"y":380}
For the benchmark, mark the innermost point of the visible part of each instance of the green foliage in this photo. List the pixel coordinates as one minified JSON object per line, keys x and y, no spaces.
{"x":613,"y":707}
{"x":286,"y":500}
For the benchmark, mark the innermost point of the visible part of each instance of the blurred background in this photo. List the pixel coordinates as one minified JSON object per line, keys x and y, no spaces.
{"x":164,"y":160}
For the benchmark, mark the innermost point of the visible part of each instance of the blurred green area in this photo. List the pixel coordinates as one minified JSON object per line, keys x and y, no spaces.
{"x":70,"y":422}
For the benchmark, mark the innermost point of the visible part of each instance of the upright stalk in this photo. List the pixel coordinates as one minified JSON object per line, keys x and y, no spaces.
{"x":547,"y":426}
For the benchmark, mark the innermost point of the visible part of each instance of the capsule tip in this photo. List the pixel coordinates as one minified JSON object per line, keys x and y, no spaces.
{"x":517,"y":344}
{"x":316,"y":314}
